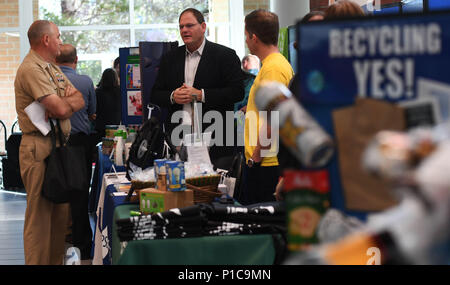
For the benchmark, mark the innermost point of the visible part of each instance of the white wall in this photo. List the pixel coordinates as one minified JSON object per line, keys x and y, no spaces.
{"x":289,"y":11}
{"x":237,"y":26}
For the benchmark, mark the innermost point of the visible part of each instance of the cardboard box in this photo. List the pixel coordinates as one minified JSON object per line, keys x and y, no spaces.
{"x":154,"y":201}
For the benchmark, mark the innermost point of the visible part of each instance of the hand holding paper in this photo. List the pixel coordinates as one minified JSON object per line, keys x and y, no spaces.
{"x":38,"y":116}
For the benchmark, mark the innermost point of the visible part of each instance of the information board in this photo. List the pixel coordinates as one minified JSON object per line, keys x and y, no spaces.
{"x":130,"y":86}
{"x":396,"y":58}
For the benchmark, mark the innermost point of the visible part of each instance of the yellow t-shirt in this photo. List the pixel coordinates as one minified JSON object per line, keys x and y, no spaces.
{"x":275,"y":67}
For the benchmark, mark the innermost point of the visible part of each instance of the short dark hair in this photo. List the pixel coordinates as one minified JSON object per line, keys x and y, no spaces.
{"x":197,"y":14}
{"x":343,"y":9}
{"x":264,"y":25}
{"x":68,"y":54}
{"x":311,"y":14}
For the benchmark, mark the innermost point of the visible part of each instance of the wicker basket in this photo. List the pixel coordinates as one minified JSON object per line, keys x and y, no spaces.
{"x":204,"y":180}
{"x":204,"y":188}
{"x":204,"y":194}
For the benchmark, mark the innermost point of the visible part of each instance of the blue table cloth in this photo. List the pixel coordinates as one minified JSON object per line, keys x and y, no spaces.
{"x":104,"y":225}
{"x":103,"y":165}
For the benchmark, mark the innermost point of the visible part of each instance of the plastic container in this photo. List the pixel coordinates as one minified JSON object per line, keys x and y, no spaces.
{"x":303,"y":136}
{"x":110,"y":130}
{"x":175,"y":176}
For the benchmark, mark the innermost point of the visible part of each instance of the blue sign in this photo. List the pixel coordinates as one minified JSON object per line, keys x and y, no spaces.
{"x":400,"y":58}
{"x":381,"y":58}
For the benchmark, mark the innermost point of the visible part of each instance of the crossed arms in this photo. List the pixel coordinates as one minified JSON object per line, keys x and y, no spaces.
{"x":63,"y":107}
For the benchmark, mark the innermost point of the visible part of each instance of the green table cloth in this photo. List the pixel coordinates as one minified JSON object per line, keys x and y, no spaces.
{"x":210,"y":250}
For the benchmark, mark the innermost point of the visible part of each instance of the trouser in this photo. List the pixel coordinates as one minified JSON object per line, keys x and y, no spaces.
{"x":261,"y":184}
{"x":222,"y":156}
{"x":81,"y":227}
{"x":45,"y":222}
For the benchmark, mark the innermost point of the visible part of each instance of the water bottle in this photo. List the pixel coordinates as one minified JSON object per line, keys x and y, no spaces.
{"x":300,"y":133}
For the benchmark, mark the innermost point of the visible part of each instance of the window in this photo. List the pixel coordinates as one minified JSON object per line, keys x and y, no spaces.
{"x":165,"y":11}
{"x":99,"y":28}
{"x":249,"y":6}
{"x":168,"y":34}
{"x":85,"y":12}
{"x":96,"y":49}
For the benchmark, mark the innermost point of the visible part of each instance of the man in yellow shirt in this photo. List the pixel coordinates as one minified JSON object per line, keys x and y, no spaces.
{"x":261,"y":36}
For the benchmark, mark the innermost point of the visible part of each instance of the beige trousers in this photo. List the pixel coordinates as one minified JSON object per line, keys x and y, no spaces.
{"x":45,"y":222}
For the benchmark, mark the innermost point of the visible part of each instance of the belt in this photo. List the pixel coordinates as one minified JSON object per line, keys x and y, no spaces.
{"x":35,"y":134}
{"x":39,"y":134}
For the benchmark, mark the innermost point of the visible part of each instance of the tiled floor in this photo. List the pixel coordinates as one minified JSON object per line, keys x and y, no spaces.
{"x":12,"y":212}
{"x":12,"y":215}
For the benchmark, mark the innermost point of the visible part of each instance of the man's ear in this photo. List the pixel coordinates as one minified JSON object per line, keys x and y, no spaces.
{"x":245,"y":64}
{"x":203,"y":26}
{"x":76,"y":60}
{"x":254,"y":38}
{"x":45,"y":39}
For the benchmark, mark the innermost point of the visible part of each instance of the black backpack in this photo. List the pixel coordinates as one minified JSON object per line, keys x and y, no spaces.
{"x":149,"y":145}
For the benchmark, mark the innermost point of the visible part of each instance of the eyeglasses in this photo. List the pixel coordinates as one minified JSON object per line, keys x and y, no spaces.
{"x":189,"y":26}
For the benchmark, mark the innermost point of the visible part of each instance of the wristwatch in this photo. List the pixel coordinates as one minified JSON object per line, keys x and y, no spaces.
{"x":251,"y":163}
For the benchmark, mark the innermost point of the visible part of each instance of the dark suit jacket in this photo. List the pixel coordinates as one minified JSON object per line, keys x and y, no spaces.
{"x":219,"y":74}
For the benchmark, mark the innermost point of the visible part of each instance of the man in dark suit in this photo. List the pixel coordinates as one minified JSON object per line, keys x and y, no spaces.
{"x":207,"y":70}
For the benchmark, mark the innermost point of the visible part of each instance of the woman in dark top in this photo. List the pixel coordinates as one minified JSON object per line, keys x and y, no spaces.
{"x":109,"y":110}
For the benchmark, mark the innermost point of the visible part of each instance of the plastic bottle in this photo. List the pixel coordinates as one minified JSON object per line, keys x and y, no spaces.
{"x":131,"y":136}
{"x":122,"y":128}
{"x":119,"y":148}
{"x":304,"y":137}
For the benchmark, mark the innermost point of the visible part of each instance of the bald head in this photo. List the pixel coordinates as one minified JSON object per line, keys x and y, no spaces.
{"x":68,"y":54}
{"x":250,"y":61}
{"x":45,"y":39}
{"x":37,"y":30}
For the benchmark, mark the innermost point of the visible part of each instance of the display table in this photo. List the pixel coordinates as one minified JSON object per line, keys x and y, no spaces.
{"x":102,"y":165}
{"x":210,"y":250}
{"x":225,"y":250}
{"x":109,"y":198}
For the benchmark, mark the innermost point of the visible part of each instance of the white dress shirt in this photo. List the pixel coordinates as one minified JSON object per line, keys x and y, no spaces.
{"x":190,"y":69}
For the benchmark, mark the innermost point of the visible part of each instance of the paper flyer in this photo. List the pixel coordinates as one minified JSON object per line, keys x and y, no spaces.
{"x":134,"y":103}
{"x":133,"y":76}
{"x":36,"y":113}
